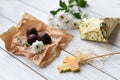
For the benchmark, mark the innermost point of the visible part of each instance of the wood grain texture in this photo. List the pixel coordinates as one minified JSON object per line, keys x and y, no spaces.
{"x":108,"y":8}
{"x":52,"y":67}
{"x":11,"y":69}
{"x":51,"y":73}
{"x":40,"y":9}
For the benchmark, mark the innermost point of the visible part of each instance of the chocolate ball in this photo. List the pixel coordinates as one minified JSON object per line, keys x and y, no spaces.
{"x":44,"y":37}
{"x":31,"y":30}
{"x":31,"y":38}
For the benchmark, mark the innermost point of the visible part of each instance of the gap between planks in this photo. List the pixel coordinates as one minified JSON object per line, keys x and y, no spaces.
{"x":96,"y":67}
{"x":64,"y":50}
{"x":24,"y":63}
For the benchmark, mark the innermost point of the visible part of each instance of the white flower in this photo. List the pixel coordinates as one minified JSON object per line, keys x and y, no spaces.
{"x":61,"y":16}
{"x":64,"y":20}
{"x":37,"y":46}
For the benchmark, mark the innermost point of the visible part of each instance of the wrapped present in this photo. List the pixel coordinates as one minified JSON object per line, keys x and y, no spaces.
{"x":97,"y":29}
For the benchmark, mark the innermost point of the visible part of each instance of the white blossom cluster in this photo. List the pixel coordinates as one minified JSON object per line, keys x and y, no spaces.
{"x":65,"y":20}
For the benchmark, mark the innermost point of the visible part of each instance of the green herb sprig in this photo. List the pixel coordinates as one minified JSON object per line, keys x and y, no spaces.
{"x":26,"y":44}
{"x":71,"y":3}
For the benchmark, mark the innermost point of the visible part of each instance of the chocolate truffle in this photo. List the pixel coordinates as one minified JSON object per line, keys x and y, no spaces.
{"x":31,"y":30}
{"x":44,"y":37}
{"x":31,"y":38}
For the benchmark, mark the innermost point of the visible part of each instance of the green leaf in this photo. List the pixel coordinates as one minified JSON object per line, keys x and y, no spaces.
{"x":81,"y":3}
{"x":77,"y":15}
{"x":70,"y":6}
{"x":53,"y":12}
{"x":63,"y":6}
{"x":59,"y":9}
{"x":26,"y":44}
{"x":71,"y":1}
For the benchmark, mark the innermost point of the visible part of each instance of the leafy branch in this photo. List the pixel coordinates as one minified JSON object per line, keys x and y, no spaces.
{"x":66,"y":8}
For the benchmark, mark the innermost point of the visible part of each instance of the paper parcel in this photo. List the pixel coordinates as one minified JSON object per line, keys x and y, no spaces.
{"x":15,"y":37}
{"x":97,"y":29}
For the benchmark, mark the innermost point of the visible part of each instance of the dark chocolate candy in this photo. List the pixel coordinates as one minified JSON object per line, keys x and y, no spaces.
{"x":31,"y":30}
{"x":31,"y":38}
{"x":44,"y":37}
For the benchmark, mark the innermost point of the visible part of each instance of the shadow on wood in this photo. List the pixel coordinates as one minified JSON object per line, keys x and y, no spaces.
{"x":115,"y":36}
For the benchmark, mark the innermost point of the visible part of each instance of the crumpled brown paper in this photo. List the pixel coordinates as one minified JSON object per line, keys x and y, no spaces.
{"x":15,"y":37}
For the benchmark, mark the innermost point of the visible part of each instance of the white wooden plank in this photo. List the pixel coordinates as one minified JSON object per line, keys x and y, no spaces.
{"x":104,"y":7}
{"x":50,"y":72}
{"x":115,"y":2}
{"x":108,"y":8}
{"x":3,"y":24}
{"x":14,"y":8}
{"x":52,"y":69}
{"x":11,"y":69}
{"x":115,"y":36}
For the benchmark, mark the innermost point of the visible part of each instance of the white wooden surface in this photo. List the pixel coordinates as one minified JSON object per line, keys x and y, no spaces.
{"x":19,"y":68}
